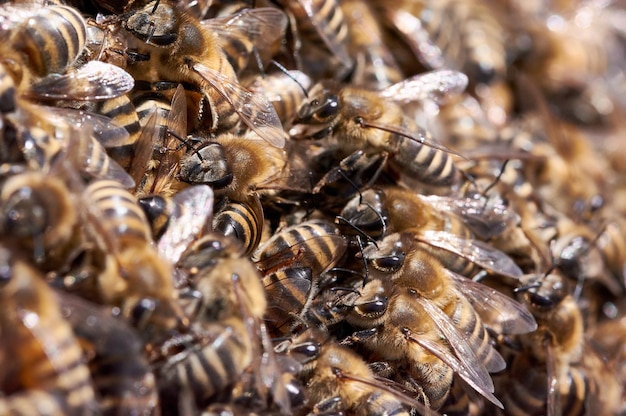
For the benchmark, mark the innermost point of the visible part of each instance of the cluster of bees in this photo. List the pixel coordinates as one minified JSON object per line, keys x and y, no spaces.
{"x":326,"y":207}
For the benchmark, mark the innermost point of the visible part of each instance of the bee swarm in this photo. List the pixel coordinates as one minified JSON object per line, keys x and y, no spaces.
{"x":312,"y":207}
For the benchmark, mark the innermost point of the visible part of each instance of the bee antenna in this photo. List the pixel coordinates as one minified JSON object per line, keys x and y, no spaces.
{"x":357,"y":229}
{"x":351,"y":182}
{"x":497,"y":179}
{"x":156,"y":5}
{"x":286,"y":72}
{"x":186,"y":143}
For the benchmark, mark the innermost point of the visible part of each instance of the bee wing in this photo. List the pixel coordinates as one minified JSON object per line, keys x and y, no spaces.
{"x":417,"y":37}
{"x":390,"y":387}
{"x":94,"y":130}
{"x":503,"y":314}
{"x":253,"y":109}
{"x":478,"y":252}
{"x":486,"y":217}
{"x":266,"y":366}
{"x":264,"y":24}
{"x":93,"y":81}
{"x":143,"y":147}
{"x":195,"y":8}
{"x":196,"y":210}
{"x":308,"y":253}
{"x":465,"y":363}
{"x":337,"y":48}
{"x":174,"y":149}
{"x":438,"y":86}
{"x":553,"y":406}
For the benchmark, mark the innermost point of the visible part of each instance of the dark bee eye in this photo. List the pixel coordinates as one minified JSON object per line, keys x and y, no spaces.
{"x":374,"y":308}
{"x":328,"y":109}
{"x":389,"y":264}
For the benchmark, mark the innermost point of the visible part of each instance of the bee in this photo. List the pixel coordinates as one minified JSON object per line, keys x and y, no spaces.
{"x":121,"y":226}
{"x":136,"y":277}
{"x":43,"y":367}
{"x":292,"y":263}
{"x":375,"y":66}
{"x":412,"y":301}
{"x":33,"y":46}
{"x":374,"y":121}
{"x":248,"y":32}
{"x":558,"y":357}
{"x":40,"y":212}
{"x":123,"y":381}
{"x":435,"y":226}
{"x":320,"y":25}
{"x":235,"y":166}
{"x":228,"y":322}
{"x":338,"y":380}
{"x":177,"y":48}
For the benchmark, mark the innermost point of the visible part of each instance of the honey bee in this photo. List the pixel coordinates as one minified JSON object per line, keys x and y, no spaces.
{"x":246,"y":32}
{"x":359,"y":118}
{"x":33,"y":46}
{"x":235,"y":166}
{"x":435,"y":226}
{"x":136,"y":277}
{"x":229,"y":310}
{"x":39,"y":212}
{"x":413,"y":302}
{"x":292,"y":263}
{"x":572,"y":378}
{"x":43,"y":367}
{"x":375,"y":66}
{"x":123,"y":381}
{"x":177,"y":48}
{"x":338,"y":380}
{"x":123,"y":228}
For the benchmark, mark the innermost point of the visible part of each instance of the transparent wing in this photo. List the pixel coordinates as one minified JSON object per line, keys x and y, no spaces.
{"x":143,"y":147}
{"x":438,"y":86}
{"x":478,"y":252}
{"x":86,"y":145}
{"x":262,"y":25}
{"x":553,"y":405}
{"x":503,"y":314}
{"x":486,"y":217}
{"x":174,"y":148}
{"x":93,"y":81}
{"x":195,"y":211}
{"x":253,"y":109}
{"x":320,"y":24}
{"x":465,"y":363}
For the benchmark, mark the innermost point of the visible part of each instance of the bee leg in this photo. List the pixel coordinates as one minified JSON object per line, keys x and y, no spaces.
{"x":329,"y":407}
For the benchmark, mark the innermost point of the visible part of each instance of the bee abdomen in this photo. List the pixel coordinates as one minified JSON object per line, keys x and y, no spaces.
{"x":51,"y":39}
